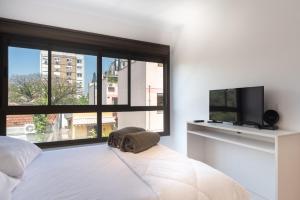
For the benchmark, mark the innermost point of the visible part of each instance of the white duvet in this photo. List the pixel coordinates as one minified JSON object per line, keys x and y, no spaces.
{"x":175,"y":177}
{"x":99,"y":172}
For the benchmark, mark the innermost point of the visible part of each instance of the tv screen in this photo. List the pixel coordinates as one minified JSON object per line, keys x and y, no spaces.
{"x":238,"y":105}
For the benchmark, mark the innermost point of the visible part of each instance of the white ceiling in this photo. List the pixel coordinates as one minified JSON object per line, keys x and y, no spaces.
{"x":168,"y":12}
{"x":148,"y":20}
{"x":173,"y":12}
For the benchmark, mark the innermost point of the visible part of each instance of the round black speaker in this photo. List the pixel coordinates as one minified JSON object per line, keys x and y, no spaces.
{"x":271,"y":117}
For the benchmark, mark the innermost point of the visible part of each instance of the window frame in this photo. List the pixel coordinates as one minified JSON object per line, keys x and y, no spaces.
{"x":29,"y":35}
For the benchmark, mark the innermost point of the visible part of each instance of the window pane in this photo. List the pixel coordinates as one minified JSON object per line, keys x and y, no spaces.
{"x":52,"y":127}
{"x":114,"y":81}
{"x":73,"y":79}
{"x":149,"y":120}
{"x":146,"y":83}
{"x":27,"y":83}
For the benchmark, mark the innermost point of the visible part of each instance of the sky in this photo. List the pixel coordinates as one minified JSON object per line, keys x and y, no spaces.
{"x":22,"y":61}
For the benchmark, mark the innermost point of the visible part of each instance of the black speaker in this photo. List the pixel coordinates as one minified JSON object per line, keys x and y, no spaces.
{"x":271,"y":117}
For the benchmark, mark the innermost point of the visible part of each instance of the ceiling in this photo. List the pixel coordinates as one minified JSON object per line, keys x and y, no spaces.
{"x":171,"y":12}
{"x":149,"y":20}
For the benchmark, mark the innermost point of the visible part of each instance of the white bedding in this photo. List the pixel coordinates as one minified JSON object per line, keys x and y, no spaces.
{"x":175,"y":177}
{"x":98,"y":172}
{"x":84,"y":173}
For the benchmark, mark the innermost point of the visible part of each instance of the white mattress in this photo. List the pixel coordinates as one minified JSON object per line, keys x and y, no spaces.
{"x":98,"y":172}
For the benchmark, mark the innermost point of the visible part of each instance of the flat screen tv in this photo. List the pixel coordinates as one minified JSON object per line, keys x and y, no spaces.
{"x":238,"y":105}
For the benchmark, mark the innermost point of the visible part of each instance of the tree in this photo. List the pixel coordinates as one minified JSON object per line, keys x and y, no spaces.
{"x":64,"y":93}
{"x":28,"y":90}
{"x":32,"y":89}
{"x":83,"y":100}
{"x":41,"y":122}
{"x":112,"y":79}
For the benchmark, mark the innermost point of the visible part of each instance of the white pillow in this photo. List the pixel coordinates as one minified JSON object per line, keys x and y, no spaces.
{"x":7,"y":185}
{"x":16,"y":155}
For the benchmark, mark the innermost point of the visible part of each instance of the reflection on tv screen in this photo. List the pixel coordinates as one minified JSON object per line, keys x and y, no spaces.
{"x":239,"y":105}
{"x":224,"y":116}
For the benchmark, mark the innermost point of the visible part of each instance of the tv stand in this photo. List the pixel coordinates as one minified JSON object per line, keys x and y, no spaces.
{"x":268,"y":127}
{"x":255,"y":124}
{"x":265,"y":162}
{"x":214,"y":121}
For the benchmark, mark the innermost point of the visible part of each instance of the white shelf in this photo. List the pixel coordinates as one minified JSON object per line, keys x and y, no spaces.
{"x":267,"y":147}
{"x":244,"y":129}
{"x":269,"y":172}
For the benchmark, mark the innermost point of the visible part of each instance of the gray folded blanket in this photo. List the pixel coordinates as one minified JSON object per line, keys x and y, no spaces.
{"x":115,"y":137}
{"x":139,"y":141}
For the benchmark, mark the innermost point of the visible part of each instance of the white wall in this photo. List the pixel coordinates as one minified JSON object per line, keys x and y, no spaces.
{"x":235,"y":44}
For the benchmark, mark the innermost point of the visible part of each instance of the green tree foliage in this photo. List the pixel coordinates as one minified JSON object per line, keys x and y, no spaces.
{"x":41,"y":122}
{"x":63,"y":93}
{"x":32,"y":89}
{"x":112,"y":79}
{"x":83,"y":100}
{"x":28,"y":90}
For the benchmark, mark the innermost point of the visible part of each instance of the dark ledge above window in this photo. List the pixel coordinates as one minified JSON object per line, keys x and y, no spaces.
{"x":68,"y":35}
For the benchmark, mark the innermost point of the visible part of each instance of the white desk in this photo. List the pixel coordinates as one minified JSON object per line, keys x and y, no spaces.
{"x":265,"y":162}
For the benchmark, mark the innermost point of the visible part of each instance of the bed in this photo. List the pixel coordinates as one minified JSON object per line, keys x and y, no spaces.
{"x":101,"y":172}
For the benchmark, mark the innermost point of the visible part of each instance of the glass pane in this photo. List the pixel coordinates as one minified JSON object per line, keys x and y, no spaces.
{"x":52,"y":127}
{"x":114,"y":81}
{"x":73,"y":79}
{"x":146,"y":83}
{"x":28,"y":81}
{"x":149,"y":120}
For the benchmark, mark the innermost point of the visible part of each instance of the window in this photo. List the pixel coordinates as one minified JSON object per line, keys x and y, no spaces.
{"x":69,"y":61}
{"x":27,"y":84}
{"x":45,"y":60}
{"x":79,"y":84}
{"x":61,"y":92}
{"x":160,"y":102}
{"x":114,"y":100}
{"x":114,"y":80}
{"x":52,"y":127}
{"x":149,"y":120}
{"x":71,"y":87}
{"x":111,"y":89}
{"x":146,"y":83}
{"x":160,"y":99}
{"x":56,"y":60}
{"x":65,"y":91}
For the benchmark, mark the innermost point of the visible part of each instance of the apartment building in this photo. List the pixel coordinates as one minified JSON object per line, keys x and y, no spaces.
{"x":147,"y":90}
{"x":146,"y":93}
{"x":67,"y":67}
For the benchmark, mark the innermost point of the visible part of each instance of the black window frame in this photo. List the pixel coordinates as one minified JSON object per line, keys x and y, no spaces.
{"x":29,"y":35}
